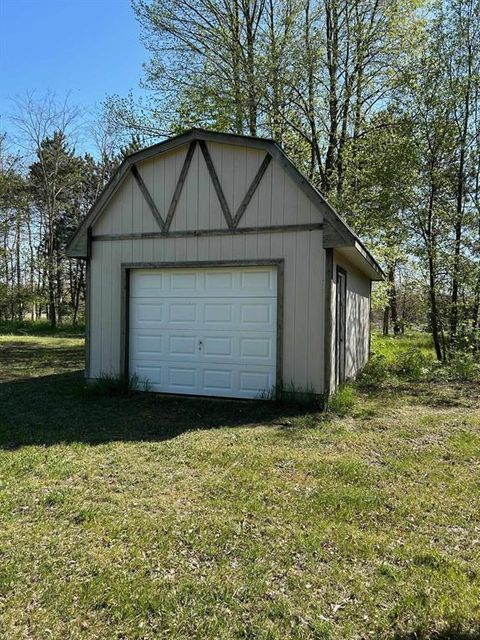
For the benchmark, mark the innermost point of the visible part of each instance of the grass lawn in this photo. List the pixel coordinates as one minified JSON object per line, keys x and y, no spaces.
{"x":142,"y":517}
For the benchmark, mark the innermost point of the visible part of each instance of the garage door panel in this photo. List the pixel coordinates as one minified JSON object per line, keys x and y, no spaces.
{"x":181,"y":345}
{"x":150,"y":373}
{"x":188,"y":346}
{"x":182,"y":378}
{"x":204,"y":332}
{"x":218,"y":313}
{"x":243,"y":282}
{"x":262,"y":281}
{"x":147,"y":286}
{"x":256,"y":347}
{"x":146,"y":345}
{"x":253,"y":381}
{"x":181,"y":313}
{"x":219,"y":281}
{"x":218,"y":381}
{"x":146,"y":313}
{"x":215,"y":346}
{"x":181,"y":281}
{"x":247,"y":314}
{"x":235,"y":381}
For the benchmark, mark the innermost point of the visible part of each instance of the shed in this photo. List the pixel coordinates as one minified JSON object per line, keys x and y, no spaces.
{"x":215,"y":268}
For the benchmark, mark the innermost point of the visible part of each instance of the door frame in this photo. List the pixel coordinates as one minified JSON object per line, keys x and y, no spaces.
{"x":128,"y":267}
{"x":340,"y":379}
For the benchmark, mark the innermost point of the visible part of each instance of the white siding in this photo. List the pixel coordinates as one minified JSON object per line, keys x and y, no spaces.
{"x":303,"y":292}
{"x":277,"y":201}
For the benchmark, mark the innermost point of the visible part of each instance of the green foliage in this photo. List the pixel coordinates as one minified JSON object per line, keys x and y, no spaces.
{"x":39,"y":328}
{"x":380,"y":291}
{"x":342,"y":401}
{"x":375,"y":373}
{"x":391,"y":346}
{"x":462,"y":366}
{"x":411,"y":358}
{"x":412,"y":365}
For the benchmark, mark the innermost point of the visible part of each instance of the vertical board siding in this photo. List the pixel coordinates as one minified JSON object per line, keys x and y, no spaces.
{"x":148,"y":173}
{"x":96,"y":267}
{"x":277,"y":200}
{"x":357,"y":330}
{"x":303,"y":292}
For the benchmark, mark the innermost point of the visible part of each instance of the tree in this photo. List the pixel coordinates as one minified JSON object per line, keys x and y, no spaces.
{"x":14,"y":217}
{"x":55,"y":181}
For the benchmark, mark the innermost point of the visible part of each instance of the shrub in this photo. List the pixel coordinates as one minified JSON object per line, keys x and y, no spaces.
{"x":342,"y":401}
{"x":412,"y":365}
{"x":463,"y":366}
{"x":374,"y":373}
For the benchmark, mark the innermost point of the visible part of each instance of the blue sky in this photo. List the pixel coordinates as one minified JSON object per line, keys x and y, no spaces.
{"x":90,"y":48}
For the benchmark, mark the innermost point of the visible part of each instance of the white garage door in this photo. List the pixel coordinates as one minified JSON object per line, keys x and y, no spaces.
{"x":208,"y":331}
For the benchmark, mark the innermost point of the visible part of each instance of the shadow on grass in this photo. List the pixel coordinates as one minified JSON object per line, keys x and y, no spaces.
{"x":59,"y":408}
{"x":449,"y":633}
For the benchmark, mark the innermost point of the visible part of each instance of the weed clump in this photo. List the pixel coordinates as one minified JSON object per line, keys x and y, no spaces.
{"x":374,"y":373}
{"x":342,"y":401}
{"x":112,"y":385}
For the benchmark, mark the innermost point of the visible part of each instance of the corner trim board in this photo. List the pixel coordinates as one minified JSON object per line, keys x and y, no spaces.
{"x":328,"y":331}
{"x":88,"y":316}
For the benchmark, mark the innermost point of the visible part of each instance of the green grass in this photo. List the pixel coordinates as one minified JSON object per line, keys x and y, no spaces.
{"x":145,"y":517}
{"x":40,"y":328}
{"x":391,"y":347}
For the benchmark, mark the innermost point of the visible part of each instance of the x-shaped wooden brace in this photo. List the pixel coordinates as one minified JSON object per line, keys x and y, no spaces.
{"x":232,"y":221}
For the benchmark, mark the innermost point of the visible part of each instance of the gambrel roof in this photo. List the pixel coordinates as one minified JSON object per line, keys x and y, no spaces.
{"x":336,"y":232}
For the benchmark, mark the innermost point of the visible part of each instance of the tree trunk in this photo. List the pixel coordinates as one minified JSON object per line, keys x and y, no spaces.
{"x":386,"y":320}
{"x":331,"y":20}
{"x":459,"y":208}
{"x":393,"y":305}
{"x":434,"y":323}
{"x":18,"y":266}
